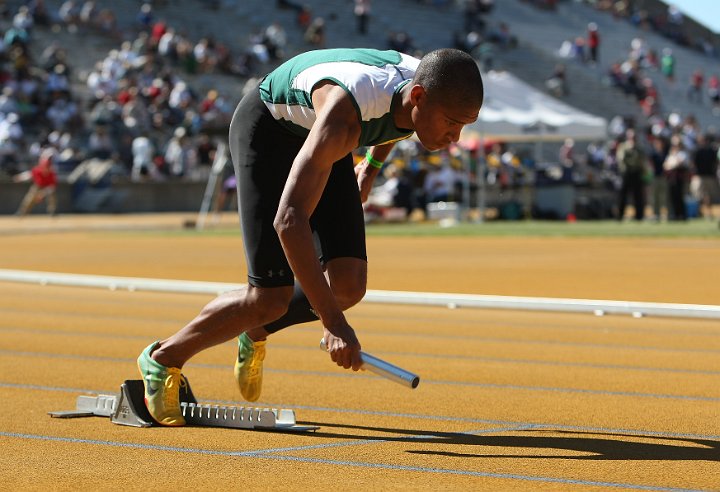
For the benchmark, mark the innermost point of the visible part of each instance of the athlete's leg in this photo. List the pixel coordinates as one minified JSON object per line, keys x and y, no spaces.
{"x":262,"y":154}
{"x":222,"y":319}
{"x":339,"y":229}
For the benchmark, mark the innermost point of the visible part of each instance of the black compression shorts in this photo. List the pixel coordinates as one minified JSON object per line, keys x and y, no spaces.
{"x":262,"y":154}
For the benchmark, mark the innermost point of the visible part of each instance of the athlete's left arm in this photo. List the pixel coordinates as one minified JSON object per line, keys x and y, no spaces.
{"x":366,"y":173}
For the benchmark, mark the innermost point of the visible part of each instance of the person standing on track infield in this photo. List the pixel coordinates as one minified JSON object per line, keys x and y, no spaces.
{"x":300,"y":199}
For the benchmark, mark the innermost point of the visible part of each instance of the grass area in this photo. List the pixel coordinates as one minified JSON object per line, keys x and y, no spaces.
{"x":693,"y":228}
{"x":697,"y":228}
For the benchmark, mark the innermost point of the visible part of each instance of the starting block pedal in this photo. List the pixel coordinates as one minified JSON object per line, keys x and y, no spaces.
{"x":128,"y":408}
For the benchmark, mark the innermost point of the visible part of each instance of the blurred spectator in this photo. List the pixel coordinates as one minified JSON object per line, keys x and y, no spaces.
{"x":400,"y":41}
{"x":62,"y":113}
{"x":107,"y":23}
{"x":638,"y":51}
{"x":440,"y":183}
{"x":23,"y":20}
{"x":502,"y":36}
{"x":57,"y":80}
{"x":39,"y":12}
{"x":713,"y":90}
{"x":135,"y":114}
{"x":167,"y":46}
{"x":304,"y":17}
{"x":705,"y":161}
{"x":180,"y":155}
{"x":11,"y":134}
{"x":157,"y":30}
{"x":8,"y":102}
{"x":206,"y":149}
{"x":228,"y":191}
{"x":181,"y":96}
{"x":89,"y":14}
{"x":566,"y":155}
{"x":106,"y":111}
{"x":100,"y":143}
{"x":556,"y":84}
{"x":695,"y":89}
{"x":258,"y":47}
{"x":276,"y":40}
{"x":667,"y":65}
{"x":69,"y":14}
{"x":659,"y":184}
{"x":386,"y":193}
{"x":145,"y":17}
{"x":573,"y":50}
{"x":315,"y":33}
{"x":203,"y":54}
{"x":593,"y":42}
{"x":362,"y":15}
{"x":143,"y":152}
{"x":52,"y":55}
{"x":676,"y":167}
{"x":632,"y":164}
{"x":44,"y":182}
{"x":127,"y":56}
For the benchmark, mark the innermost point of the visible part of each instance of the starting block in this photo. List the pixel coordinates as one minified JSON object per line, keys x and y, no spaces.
{"x":128,"y":408}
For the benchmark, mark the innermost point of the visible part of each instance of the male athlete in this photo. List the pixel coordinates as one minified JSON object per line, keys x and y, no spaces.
{"x":300,"y":199}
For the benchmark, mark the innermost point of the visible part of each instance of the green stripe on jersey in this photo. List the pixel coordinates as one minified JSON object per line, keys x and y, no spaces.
{"x":370,"y":77}
{"x":276,"y":88}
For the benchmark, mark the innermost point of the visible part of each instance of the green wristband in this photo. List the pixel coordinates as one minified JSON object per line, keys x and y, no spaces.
{"x":373,"y":162}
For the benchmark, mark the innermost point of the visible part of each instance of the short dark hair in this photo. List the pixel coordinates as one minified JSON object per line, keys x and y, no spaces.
{"x":451,"y":75}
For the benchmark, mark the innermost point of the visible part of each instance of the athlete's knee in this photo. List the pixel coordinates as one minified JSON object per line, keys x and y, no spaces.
{"x":348,"y":293}
{"x":348,"y":281}
{"x":273,"y":301}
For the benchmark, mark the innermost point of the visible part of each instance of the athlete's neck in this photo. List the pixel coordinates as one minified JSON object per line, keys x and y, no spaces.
{"x":402,"y":108}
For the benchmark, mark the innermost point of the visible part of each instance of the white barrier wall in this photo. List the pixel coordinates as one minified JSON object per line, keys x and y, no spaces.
{"x":380,"y":296}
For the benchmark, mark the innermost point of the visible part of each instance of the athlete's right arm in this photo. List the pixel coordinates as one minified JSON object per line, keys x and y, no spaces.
{"x":333,"y":136}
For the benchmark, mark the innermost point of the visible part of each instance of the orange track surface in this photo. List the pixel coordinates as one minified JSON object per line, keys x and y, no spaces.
{"x":507,"y":401}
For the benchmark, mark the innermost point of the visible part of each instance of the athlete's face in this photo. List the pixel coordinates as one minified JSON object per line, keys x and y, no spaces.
{"x":437,"y":123}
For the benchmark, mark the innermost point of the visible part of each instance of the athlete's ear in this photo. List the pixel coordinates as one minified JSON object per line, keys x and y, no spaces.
{"x":417,"y":94}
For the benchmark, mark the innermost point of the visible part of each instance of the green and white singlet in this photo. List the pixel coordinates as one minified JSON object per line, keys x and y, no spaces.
{"x":370,"y":77}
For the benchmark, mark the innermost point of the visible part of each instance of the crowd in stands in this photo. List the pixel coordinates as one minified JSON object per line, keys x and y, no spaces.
{"x":139,"y":111}
{"x":669,"y":22}
{"x":137,"y":107}
{"x":480,"y":36}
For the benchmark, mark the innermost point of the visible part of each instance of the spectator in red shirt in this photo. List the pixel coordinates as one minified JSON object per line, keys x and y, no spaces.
{"x":44,"y":181}
{"x":593,"y":42}
{"x":697,"y":80}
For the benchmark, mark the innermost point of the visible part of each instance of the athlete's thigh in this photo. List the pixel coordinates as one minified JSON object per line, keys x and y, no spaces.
{"x":262,"y":154}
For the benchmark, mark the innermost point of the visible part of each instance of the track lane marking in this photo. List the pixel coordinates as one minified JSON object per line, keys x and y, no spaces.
{"x":362,"y":464}
{"x":380,"y":413}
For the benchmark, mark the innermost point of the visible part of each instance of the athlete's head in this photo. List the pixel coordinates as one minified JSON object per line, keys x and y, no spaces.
{"x":447,"y":92}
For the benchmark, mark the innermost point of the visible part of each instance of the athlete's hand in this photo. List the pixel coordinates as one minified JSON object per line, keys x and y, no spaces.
{"x":343,"y":346}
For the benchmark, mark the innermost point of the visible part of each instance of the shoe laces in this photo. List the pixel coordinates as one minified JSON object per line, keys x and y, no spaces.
{"x":256,"y":362}
{"x":173,"y":383}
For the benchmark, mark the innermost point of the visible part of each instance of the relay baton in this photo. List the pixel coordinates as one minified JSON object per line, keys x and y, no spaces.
{"x":385,"y":369}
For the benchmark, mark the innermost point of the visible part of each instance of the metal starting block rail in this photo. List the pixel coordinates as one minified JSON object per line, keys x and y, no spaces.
{"x":128,"y":408}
